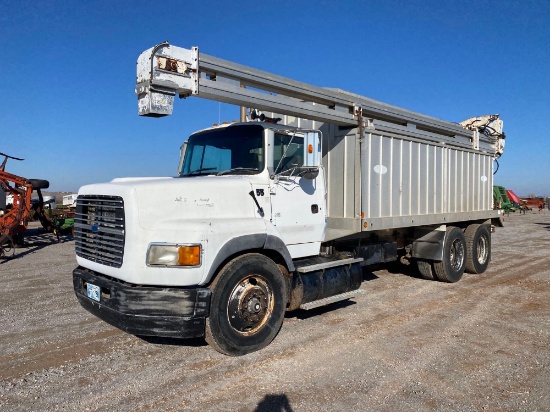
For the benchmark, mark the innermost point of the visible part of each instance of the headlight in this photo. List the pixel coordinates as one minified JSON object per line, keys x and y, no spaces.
{"x":162,"y":254}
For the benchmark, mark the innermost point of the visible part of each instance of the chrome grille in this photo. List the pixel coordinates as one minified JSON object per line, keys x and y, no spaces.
{"x":99,"y":229}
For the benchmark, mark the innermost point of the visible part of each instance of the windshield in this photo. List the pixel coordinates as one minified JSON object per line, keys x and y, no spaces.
{"x":229,"y":150}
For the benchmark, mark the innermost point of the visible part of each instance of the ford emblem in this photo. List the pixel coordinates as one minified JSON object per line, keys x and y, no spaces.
{"x":95,"y":228}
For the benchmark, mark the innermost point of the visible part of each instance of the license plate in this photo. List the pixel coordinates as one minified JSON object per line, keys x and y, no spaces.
{"x":93,"y":291}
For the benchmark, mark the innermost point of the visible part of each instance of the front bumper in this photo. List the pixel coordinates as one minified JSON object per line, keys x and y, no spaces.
{"x":145,"y":310}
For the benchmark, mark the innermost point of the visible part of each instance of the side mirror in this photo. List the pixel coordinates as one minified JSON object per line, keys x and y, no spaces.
{"x":312,"y":155}
{"x":310,"y":173}
{"x":312,"y":149}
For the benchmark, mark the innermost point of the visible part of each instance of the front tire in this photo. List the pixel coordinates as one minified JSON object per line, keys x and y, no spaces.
{"x":247,"y":307}
{"x":451,"y":268}
{"x":478,"y":243}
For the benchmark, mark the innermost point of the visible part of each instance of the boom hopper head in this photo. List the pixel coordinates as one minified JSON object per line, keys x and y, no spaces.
{"x":162,"y":72}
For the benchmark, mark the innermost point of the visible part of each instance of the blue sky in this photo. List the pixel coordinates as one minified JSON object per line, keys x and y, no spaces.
{"x":68,"y":72}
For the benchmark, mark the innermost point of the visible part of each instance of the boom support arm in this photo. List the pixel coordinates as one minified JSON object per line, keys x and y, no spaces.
{"x":165,"y":71}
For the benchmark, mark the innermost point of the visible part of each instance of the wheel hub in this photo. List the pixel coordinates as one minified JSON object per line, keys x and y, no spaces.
{"x":482,"y":250}
{"x":250,"y":305}
{"x":254,"y":305}
{"x":457,"y":254}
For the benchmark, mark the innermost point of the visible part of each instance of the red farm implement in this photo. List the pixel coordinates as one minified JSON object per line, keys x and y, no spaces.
{"x":14,"y":220}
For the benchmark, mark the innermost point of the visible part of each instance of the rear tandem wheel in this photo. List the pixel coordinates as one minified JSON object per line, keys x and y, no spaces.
{"x":425,"y":267}
{"x":455,"y":255}
{"x":478,"y":244}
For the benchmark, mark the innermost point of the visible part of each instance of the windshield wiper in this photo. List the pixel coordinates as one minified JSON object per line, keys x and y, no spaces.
{"x":202,"y":169}
{"x":238,"y":169}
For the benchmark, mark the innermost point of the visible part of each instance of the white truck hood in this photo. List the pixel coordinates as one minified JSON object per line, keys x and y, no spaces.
{"x":162,"y":201}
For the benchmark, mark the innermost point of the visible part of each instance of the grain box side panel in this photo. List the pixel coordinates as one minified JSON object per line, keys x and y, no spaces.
{"x":415,"y":180}
{"x":406,"y":182}
{"x":339,"y":158}
{"x":397,"y":165}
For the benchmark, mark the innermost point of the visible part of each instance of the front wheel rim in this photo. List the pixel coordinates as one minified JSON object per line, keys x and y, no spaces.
{"x":250,"y":305}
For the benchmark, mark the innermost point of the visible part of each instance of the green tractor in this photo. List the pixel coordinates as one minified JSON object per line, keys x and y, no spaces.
{"x":501,"y":200}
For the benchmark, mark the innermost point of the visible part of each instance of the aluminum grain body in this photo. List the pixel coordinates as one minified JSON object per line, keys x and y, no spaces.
{"x":385,"y":180}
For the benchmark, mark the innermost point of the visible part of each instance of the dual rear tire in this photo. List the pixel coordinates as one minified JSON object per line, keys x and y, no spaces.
{"x":468,"y":251}
{"x":478,"y":243}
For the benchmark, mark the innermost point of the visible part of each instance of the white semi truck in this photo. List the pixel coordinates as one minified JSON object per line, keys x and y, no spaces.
{"x":279,"y":211}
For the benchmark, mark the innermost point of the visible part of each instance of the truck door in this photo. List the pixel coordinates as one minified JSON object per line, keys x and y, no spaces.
{"x":297,"y":190}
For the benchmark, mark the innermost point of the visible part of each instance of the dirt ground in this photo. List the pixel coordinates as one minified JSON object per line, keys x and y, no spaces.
{"x":406,"y":344}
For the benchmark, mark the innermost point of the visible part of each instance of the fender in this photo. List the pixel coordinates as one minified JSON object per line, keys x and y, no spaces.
{"x":248,"y":242}
{"x":429,"y":243}
{"x":276,"y":244}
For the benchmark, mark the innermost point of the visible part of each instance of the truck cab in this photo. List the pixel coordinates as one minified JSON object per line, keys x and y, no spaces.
{"x":241,"y":188}
{"x":283,"y":167}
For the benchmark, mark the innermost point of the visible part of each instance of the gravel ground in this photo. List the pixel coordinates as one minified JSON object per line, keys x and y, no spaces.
{"x":406,"y":344}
